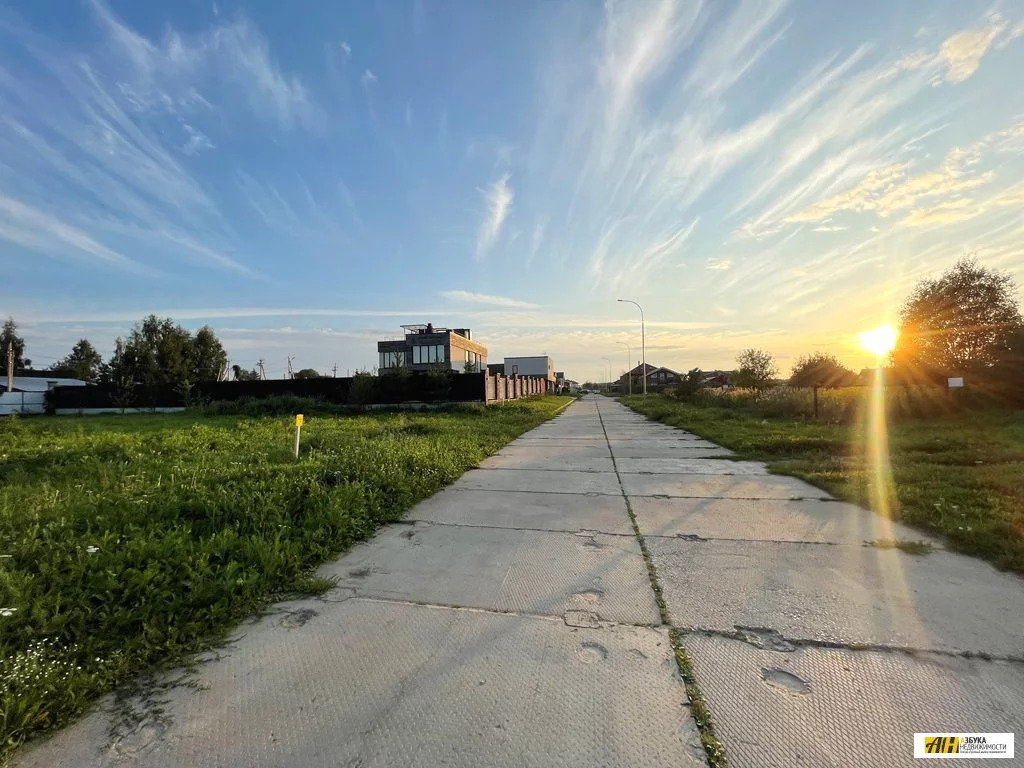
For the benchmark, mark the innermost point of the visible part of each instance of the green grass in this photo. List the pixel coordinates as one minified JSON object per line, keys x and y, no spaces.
{"x":131,"y":542}
{"x":958,"y":475}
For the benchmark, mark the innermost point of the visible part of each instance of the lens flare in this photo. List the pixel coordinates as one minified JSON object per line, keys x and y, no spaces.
{"x":879,"y":341}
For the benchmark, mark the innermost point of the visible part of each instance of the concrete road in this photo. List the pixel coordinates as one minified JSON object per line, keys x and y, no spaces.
{"x":511,"y":621}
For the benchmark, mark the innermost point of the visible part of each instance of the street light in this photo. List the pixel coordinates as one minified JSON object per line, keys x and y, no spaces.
{"x":629,"y":360}
{"x":643,"y":343}
{"x":609,"y":361}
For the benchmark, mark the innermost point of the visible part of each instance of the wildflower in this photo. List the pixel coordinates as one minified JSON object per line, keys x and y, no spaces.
{"x":92,"y":549}
{"x":7,"y":611}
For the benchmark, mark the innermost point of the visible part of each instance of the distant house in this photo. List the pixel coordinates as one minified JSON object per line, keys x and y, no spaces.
{"x":716,"y":379}
{"x":657,"y":378}
{"x":532,"y":365}
{"x":39,"y":383}
{"x":425,"y":347}
{"x":28,"y":393}
{"x":496,"y":369}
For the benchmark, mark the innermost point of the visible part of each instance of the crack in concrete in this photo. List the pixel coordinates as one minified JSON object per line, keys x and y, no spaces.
{"x":764,"y":637}
{"x":574,"y":531}
{"x":713,"y":749}
{"x":504,"y":612}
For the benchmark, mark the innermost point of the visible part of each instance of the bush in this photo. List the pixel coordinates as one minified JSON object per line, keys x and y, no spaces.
{"x":363,"y":385}
{"x":843,"y":405}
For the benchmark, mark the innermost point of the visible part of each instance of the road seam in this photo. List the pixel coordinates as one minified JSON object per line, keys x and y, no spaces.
{"x":713,"y":748}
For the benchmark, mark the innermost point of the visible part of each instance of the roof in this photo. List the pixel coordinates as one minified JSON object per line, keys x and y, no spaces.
{"x":39,"y":383}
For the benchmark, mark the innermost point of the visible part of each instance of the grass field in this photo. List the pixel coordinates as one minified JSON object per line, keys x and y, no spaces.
{"x":128,"y":542}
{"x":960,"y":476}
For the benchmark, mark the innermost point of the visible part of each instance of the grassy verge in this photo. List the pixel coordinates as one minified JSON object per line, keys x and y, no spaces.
{"x":129,"y":542}
{"x":958,"y":475}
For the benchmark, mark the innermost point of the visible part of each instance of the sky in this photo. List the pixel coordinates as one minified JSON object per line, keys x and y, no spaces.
{"x":305,"y":178}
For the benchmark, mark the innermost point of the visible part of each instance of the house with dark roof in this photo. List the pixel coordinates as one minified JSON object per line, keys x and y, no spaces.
{"x":658,"y":377}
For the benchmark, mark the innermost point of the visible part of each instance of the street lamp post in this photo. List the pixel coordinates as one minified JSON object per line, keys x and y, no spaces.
{"x":629,"y":360}
{"x":609,"y":361}
{"x":643,"y":343}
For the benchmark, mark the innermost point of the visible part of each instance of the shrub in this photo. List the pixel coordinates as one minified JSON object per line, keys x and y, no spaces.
{"x":363,"y":385}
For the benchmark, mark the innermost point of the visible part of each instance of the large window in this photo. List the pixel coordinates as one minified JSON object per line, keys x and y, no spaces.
{"x":391,"y":359}
{"x":428,"y":353}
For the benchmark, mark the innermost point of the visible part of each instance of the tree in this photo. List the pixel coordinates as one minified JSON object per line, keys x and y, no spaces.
{"x":157,"y":351}
{"x":240,"y":374}
{"x":960,"y":323}
{"x":208,"y":358}
{"x":9,"y":338}
{"x":756,"y":369}
{"x":84,"y":362}
{"x":307,"y":373}
{"x":821,"y":369}
{"x":689,"y":383}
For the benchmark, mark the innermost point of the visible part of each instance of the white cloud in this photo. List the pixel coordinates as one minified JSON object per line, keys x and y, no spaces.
{"x":368,"y":78}
{"x":499,"y":202}
{"x":484,"y":298}
{"x":962,"y":53}
{"x":197,"y":141}
{"x":718,"y":264}
{"x":346,"y":49}
{"x":31,"y":228}
{"x":735,"y":45}
{"x":228,"y":58}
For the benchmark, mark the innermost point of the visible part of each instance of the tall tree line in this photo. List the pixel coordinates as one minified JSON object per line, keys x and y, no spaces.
{"x":156,"y":351}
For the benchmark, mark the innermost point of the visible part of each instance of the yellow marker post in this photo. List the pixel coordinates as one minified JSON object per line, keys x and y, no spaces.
{"x":298,"y":430}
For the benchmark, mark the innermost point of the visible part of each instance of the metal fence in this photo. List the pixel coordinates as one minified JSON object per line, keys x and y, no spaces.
{"x":22,"y":402}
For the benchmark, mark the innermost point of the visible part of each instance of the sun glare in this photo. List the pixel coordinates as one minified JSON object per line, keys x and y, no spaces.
{"x":879,"y":341}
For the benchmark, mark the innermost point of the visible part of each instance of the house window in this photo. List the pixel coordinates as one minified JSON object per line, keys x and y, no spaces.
{"x":390,"y":359}
{"x":428,"y":353}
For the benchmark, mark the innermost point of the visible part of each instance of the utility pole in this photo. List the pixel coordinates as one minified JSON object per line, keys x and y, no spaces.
{"x":335,"y":370}
{"x":263,"y":371}
{"x":291,"y":373}
{"x":10,"y":366}
{"x":643,"y":342}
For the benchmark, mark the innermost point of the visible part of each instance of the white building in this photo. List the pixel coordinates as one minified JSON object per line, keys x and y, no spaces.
{"x":536,"y":365}
{"x":28,"y":393}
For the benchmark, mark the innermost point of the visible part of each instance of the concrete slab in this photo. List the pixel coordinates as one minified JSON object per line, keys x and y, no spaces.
{"x":844,"y":594}
{"x":679,"y":450}
{"x":660,"y":466}
{"x":562,"y":442}
{"x":538,"y":481}
{"x":544,"y":511}
{"x":534,"y":572}
{"x":859,"y":708}
{"x":737,"y":487}
{"x":545,"y":449}
{"x":550,"y":459}
{"x":371,"y":684}
{"x":657,"y":444}
{"x":767,"y":520}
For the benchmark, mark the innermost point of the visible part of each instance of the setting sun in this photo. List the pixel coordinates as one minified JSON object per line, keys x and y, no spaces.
{"x":879,"y":341}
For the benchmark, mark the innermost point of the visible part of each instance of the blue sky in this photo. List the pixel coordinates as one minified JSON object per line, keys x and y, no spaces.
{"x":756,"y":173}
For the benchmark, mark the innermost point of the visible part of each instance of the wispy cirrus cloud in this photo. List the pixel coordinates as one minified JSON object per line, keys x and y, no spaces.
{"x":228,"y":59}
{"x":103,"y":140}
{"x":485,"y":298}
{"x":498,"y":197}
